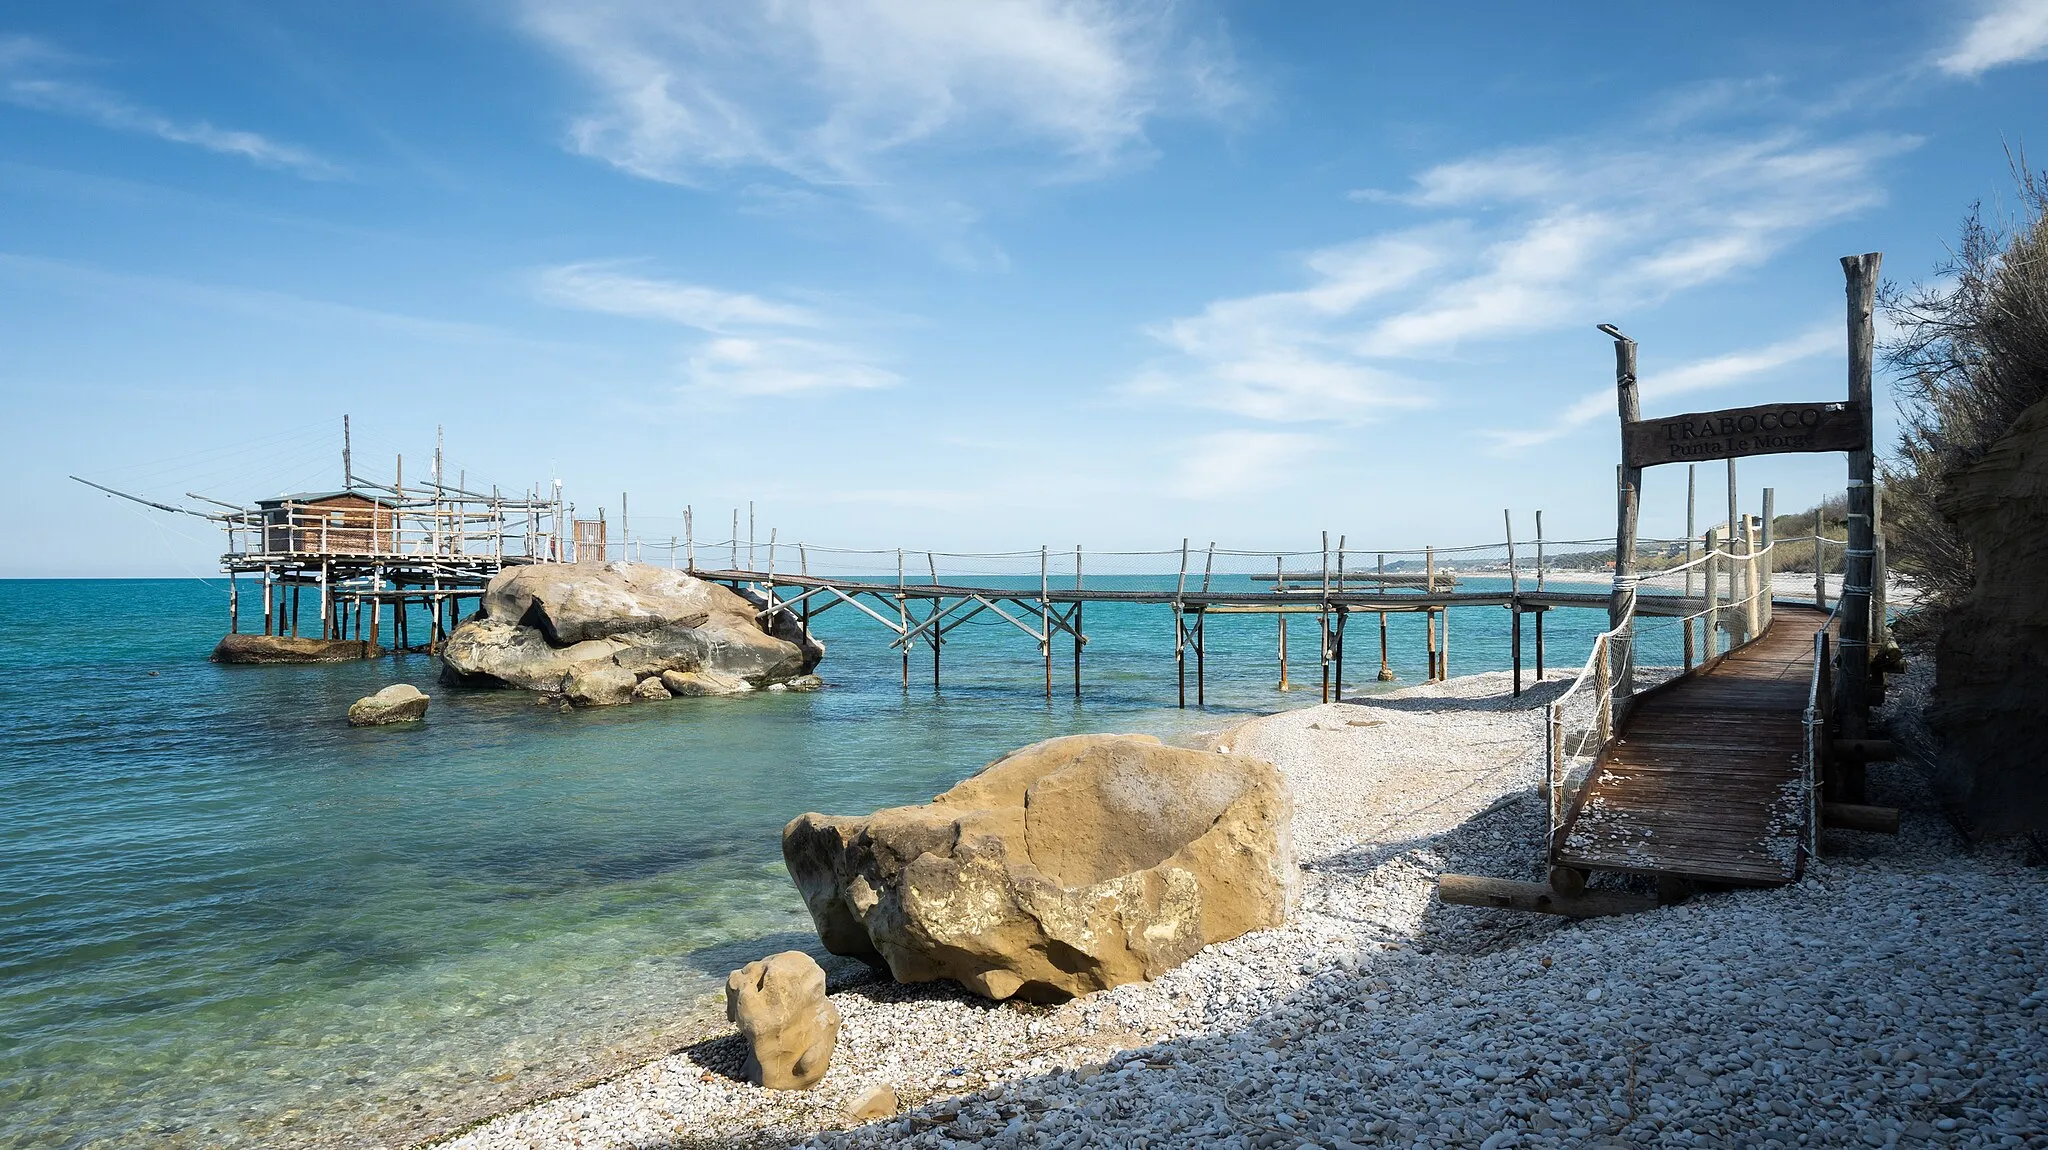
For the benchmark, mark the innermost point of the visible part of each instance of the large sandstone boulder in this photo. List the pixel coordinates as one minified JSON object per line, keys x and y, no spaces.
{"x":1067,"y":867}
{"x":790,"y":1026}
{"x":1991,"y":662}
{"x":595,"y":632}
{"x":289,"y":649}
{"x":397,"y":703}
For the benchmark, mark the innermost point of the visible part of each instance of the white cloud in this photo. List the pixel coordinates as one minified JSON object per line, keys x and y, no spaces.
{"x":1537,"y":239}
{"x":747,"y":346}
{"x":25,"y":64}
{"x":1243,"y":464}
{"x":2004,"y":32}
{"x":837,"y":92}
{"x":1657,"y":388}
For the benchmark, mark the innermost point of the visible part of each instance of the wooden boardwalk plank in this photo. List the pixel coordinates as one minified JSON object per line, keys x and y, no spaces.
{"x":1705,"y":781}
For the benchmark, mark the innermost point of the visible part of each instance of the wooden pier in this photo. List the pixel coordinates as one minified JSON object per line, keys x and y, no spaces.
{"x":1727,"y":773}
{"x":1706,"y":777}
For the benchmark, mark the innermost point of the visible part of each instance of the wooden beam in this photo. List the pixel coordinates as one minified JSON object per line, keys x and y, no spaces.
{"x":1508,"y":894}
{"x":1858,"y":817}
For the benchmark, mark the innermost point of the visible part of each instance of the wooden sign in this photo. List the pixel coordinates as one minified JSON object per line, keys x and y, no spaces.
{"x":1766,"y":430}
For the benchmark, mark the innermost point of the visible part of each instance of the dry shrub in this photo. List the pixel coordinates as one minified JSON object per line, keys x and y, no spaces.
{"x":1971,"y":354}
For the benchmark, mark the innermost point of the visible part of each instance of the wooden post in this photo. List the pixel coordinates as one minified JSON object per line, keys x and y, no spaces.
{"x":1443,"y":647}
{"x":295,"y":609}
{"x":1767,"y":559}
{"x":327,"y":621}
{"x":1386,"y":669}
{"x":1324,"y":615}
{"x":931,"y":559}
{"x":1621,"y":602}
{"x":1044,"y":614}
{"x":1429,"y":613}
{"x":902,"y":607}
{"x":1820,"y":570}
{"x":1691,"y":505}
{"x":1507,"y":520}
{"x":1880,"y":625}
{"x":750,"y":539}
{"x":1180,"y":629}
{"x":1711,"y":624}
{"x":1515,"y":641}
{"x":376,"y":603}
{"x":1201,"y":632}
{"x":626,"y":533}
{"x":1602,"y":690}
{"x":1078,"y":640}
{"x":689,"y":540}
{"x":234,"y":603}
{"x":1343,"y":617}
{"x":1736,"y":534}
{"x":1540,"y":610}
{"x":1279,"y":574}
{"x":1852,"y":686}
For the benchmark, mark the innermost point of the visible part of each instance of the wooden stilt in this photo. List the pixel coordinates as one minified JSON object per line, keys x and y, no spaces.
{"x":1515,"y":644}
{"x":234,"y":605}
{"x":1201,"y":672}
{"x":1324,"y":617}
{"x":1343,"y":617}
{"x":295,"y":609}
{"x":1045,"y":614}
{"x":1078,"y":633}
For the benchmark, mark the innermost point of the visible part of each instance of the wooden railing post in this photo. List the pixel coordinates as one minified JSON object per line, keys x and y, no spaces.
{"x":1603,"y":650}
{"x":1712,"y":622}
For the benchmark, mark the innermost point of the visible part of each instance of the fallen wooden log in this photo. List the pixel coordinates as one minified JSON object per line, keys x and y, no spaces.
{"x":1857,"y":817}
{"x":1479,"y":890}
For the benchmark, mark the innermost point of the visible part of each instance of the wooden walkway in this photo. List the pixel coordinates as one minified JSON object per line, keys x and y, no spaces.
{"x":1705,"y":780}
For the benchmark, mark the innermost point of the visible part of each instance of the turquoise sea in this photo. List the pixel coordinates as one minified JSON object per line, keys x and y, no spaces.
{"x":228,"y":919}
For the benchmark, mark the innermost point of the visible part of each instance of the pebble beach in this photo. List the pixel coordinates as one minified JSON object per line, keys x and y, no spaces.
{"x":1897,"y":995}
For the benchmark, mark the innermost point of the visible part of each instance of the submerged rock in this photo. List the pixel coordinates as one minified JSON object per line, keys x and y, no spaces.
{"x":289,"y":649}
{"x":1067,"y":867}
{"x":651,"y":690}
{"x":595,"y":632}
{"x":398,"y":703}
{"x":696,"y":683}
{"x":790,"y":1026}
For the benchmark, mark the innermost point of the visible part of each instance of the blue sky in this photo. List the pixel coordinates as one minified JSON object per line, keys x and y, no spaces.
{"x":960,"y":275}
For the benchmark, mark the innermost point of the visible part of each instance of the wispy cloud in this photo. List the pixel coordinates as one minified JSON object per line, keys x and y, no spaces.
{"x":2004,"y":32}
{"x":849,"y":95}
{"x":747,"y":345}
{"x":1658,"y":388}
{"x":1241,"y":463}
{"x":1534,"y":239}
{"x":30,"y":77}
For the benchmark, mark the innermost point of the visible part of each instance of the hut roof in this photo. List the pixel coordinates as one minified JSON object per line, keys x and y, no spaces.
{"x":324,"y":496}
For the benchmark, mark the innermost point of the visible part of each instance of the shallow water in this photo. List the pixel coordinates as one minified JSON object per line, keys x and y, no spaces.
{"x":228,"y":919}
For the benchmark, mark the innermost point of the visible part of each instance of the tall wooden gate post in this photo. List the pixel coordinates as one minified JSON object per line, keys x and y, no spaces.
{"x":1852,"y":686}
{"x":1621,"y":601}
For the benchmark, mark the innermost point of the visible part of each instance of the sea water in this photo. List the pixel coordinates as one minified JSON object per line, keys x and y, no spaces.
{"x":228,"y":919}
